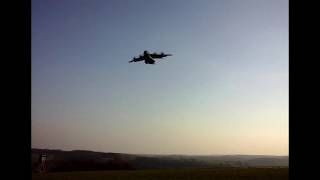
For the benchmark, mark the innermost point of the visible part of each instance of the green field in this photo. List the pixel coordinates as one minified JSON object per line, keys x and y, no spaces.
{"x":174,"y":174}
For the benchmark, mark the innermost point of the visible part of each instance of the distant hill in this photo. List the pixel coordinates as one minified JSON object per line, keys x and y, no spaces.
{"x":77,"y":160}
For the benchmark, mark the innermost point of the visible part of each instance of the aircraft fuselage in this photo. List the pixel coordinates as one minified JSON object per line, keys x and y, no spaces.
{"x":148,"y":59}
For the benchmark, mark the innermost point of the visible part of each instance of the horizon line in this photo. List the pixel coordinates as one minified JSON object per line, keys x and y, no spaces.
{"x":157,"y":154}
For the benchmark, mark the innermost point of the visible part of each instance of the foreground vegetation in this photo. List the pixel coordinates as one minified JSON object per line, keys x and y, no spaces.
{"x":172,"y":174}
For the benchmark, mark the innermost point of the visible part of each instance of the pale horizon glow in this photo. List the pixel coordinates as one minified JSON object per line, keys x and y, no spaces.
{"x":224,"y":90}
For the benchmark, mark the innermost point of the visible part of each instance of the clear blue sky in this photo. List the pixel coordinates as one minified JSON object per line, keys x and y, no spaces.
{"x":224,"y":90}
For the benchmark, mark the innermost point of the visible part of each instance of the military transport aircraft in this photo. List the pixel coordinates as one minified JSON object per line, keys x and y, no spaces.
{"x":149,"y":58}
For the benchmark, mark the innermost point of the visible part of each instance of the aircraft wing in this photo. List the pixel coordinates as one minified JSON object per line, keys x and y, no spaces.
{"x":161,"y":55}
{"x":134,"y":59}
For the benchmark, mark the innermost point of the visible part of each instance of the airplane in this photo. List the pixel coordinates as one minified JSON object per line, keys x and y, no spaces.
{"x":149,"y":58}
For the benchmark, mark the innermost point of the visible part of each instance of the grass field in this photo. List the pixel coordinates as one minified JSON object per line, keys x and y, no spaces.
{"x":172,"y":174}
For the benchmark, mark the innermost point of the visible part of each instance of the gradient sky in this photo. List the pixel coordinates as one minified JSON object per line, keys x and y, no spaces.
{"x":224,"y":90}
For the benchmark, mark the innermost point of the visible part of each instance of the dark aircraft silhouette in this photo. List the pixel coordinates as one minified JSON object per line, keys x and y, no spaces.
{"x":149,"y":58}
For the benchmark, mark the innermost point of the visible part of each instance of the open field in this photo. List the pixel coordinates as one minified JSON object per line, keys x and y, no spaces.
{"x":172,"y":174}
